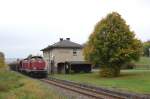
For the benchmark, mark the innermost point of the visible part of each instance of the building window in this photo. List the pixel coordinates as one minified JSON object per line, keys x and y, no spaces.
{"x":74,"y":52}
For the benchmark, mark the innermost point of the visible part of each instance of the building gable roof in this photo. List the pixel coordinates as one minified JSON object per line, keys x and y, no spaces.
{"x":63,"y":44}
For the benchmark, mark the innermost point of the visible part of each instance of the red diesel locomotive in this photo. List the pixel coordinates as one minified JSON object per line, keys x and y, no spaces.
{"x":34,"y":66}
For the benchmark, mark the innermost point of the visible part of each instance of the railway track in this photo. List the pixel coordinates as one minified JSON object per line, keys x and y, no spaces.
{"x":91,"y":91}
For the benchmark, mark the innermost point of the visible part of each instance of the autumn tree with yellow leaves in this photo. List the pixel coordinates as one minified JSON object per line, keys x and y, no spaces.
{"x":111,"y":45}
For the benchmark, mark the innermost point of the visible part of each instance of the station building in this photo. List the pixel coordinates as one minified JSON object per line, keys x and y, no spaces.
{"x":62,"y":52}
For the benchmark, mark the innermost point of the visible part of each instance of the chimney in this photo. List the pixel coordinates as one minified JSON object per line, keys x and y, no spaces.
{"x":68,"y":39}
{"x":61,"y":39}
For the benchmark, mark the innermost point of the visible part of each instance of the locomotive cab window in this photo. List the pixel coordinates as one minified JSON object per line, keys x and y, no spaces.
{"x":74,"y":52}
{"x":33,"y":59}
{"x":36,"y":58}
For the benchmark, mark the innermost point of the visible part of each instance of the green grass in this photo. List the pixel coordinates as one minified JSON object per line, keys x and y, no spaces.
{"x":17,"y":86}
{"x":130,"y":80}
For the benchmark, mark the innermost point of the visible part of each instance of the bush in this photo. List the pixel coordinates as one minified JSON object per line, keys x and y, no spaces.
{"x":2,"y":60}
{"x":146,"y":47}
{"x":109,"y":72}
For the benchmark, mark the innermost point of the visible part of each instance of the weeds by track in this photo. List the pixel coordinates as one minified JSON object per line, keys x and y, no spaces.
{"x":92,"y":91}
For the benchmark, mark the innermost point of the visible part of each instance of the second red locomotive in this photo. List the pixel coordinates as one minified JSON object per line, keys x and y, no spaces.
{"x":34,"y":66}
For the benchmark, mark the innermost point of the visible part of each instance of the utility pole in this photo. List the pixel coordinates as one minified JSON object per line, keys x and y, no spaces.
{"x":52,"y":64}
{"x":49,"y":62}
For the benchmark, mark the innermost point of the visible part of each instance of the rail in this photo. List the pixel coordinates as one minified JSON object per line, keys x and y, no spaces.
{"x":92,"y":91}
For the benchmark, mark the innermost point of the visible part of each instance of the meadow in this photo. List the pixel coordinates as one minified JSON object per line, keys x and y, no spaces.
{"x":16,"y":86}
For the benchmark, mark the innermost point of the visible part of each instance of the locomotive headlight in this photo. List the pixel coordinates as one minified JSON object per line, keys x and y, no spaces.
{"x":45,"y":68}
{"x":34,"y":68}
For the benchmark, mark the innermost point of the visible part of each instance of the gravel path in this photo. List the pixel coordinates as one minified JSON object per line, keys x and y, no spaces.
{"x":67,"y":93}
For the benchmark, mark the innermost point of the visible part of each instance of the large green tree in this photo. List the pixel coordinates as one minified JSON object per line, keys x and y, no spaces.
{"x":111,"y":45}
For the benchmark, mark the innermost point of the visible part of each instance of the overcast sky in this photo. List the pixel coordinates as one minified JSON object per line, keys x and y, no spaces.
{"x":27,"y":26}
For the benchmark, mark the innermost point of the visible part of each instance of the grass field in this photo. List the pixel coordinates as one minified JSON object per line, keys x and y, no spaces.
{"x":130,"y":80}
{"x":17,"y":86}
